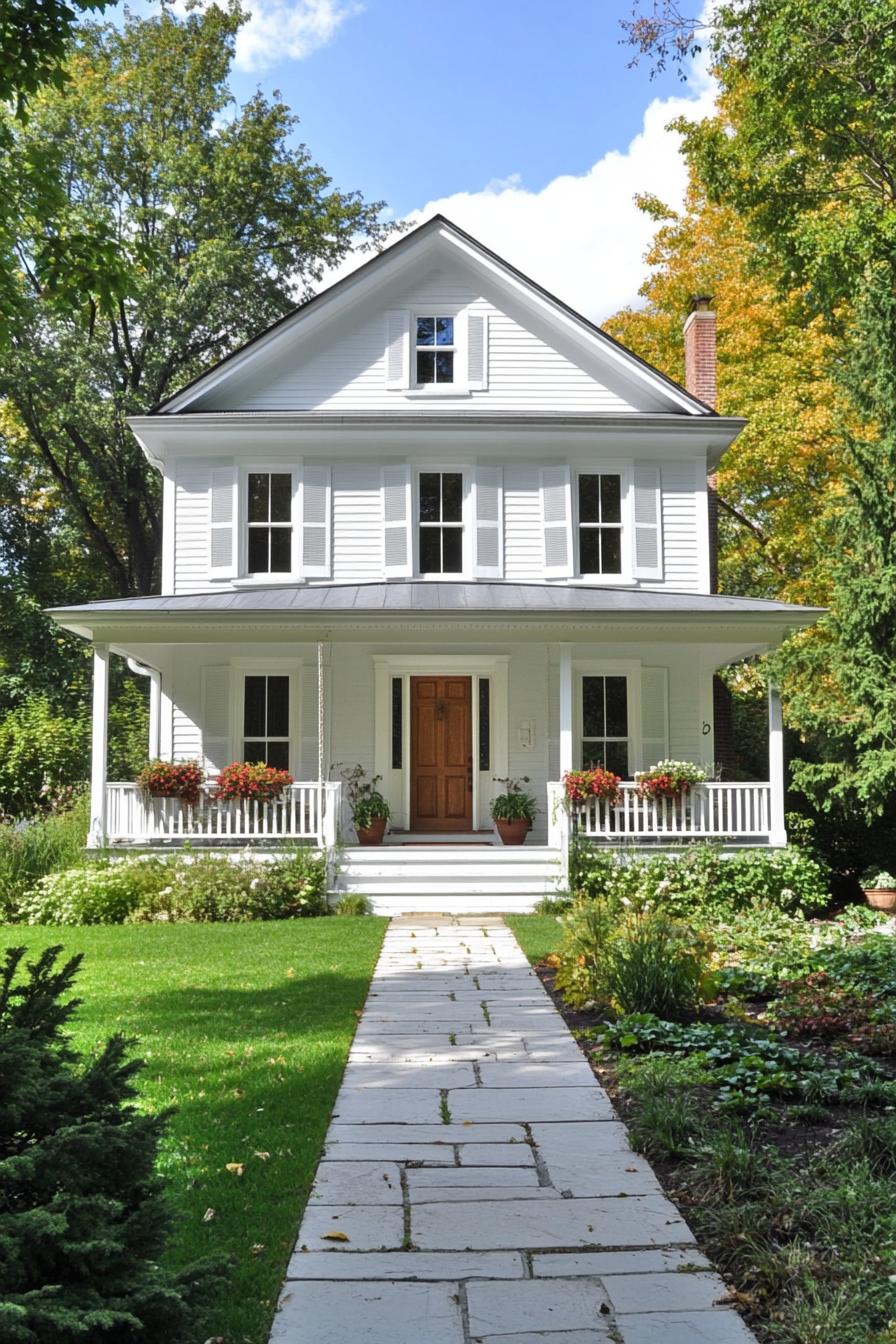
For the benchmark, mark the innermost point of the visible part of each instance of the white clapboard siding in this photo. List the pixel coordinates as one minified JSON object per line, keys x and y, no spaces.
{"x":348,"y":369}
{"x":191,"y":526}
{"x":654,"y":715}
{"x":523,"y":543}
{"x":186,"y":736}
{"x":357,"y":524}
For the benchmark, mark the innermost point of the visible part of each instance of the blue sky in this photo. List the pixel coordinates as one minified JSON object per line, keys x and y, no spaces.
{"x":410,"y":101}
{"x":519,"y":120}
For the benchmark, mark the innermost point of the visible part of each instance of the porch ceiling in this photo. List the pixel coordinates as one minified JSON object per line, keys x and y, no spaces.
{"x":441,"y":612}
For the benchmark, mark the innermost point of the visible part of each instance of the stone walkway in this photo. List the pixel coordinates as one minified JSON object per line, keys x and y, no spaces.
{"x":476,"y":1186}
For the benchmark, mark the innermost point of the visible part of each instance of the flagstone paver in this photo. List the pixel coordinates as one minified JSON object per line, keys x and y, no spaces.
{"x":477,"y":1186}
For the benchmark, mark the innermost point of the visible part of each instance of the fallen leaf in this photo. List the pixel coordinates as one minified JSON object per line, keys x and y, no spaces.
{"x":264,"y":1156}
{"x":290,"y":974}
{"x":257,"y":1248}
{"x":236,"y":1167}
{"x":334,"y":1236}
{"x":208,"y":1215}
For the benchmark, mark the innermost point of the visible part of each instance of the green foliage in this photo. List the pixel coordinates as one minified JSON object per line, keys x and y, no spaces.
{"x":28,"y":852}
{"x":41,"y":753}
{"x":99,"y":892}
{"x":83,"y":1219}
{"x":639,"y":961}
{"x":366,"y":802}
{"x":196,"y":888}
{"x":354,"y":904}
{"x":701,"y":880}
{"x":514,"y":804}
{"x":207,"y":889}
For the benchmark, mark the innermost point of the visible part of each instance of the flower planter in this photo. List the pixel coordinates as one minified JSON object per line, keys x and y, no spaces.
{"x":513,"y":832}
{"x":372,"y":834}
{"x":881,"y":898}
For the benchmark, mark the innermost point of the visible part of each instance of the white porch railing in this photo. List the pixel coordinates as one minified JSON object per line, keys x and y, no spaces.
{"x":306,"y":811}
{"x":706,"y":811}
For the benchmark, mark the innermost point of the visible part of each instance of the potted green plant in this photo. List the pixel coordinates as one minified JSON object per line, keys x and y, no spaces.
{"x":879,"y":887}
{"x":513,"y":811}
{"x":370,"y":811}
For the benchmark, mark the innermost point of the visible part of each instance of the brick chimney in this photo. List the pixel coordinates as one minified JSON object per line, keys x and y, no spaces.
{"x":700,"y":350}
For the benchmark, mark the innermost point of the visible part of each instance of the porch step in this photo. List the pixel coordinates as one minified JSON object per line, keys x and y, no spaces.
{"x":475,"y":879}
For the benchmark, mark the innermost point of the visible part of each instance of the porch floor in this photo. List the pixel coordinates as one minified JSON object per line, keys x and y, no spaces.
{"x":476,"y":1182}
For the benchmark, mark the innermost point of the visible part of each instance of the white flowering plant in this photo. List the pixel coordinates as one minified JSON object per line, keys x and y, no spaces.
{"x":669,"y":779}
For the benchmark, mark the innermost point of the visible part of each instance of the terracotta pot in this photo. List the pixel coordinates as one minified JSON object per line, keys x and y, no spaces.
{"x":881,"y":898}
{"x":372,"y":834}
{"x":513,"y":832}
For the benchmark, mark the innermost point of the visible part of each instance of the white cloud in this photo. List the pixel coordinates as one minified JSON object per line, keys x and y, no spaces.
{"x":288,"y":30}
{"x":582,"y":236}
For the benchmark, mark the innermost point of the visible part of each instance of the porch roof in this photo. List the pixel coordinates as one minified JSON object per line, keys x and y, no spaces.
{"x":437,"y":598}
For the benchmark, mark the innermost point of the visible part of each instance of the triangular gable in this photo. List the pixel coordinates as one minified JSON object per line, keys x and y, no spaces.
{"x":594,"y":370}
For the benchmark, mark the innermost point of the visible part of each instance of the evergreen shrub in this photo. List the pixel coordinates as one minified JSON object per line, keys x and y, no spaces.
{"x":83,"y":1218}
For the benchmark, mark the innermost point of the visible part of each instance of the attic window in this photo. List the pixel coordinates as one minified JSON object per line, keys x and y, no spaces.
{"x":435,"y":349}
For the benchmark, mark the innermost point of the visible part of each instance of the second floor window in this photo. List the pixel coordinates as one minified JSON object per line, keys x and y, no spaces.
{"x":269,"y":519}
{"x":266,"y":720}
{"x":441,"y":528}
{"x":605,"y":734}
{"x":600,"y":524}
{"x":435,"y":349}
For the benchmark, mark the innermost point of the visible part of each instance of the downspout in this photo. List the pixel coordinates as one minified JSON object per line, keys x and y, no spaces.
{"x":155,"y":705}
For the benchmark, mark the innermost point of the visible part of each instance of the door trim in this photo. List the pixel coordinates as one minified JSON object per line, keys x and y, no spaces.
{"x":397,"y":783}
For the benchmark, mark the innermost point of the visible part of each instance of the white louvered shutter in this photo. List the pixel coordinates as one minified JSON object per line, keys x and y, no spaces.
{"x":556,"y":516}
{"x":217,"y":748}
{"x":398,"y":349}
{"x":654,"y":716}
{"x":477,"y":351}
{"x":398,"y":551}
{"x":316,"y":523}
{"x":489,"y":532}
{"x":223,"y":512}
{"x":647,"y":561}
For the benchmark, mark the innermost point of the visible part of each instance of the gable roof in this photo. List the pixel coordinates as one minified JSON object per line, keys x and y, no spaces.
{"x":438,"y":230}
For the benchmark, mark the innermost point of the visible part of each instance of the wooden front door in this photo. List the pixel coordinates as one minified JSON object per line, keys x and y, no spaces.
{"x":441,"y":754}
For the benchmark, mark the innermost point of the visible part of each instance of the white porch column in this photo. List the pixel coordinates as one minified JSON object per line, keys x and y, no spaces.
{"x":99,"y":735}
{"x":566,"y":759}
{"x":778,"y":832}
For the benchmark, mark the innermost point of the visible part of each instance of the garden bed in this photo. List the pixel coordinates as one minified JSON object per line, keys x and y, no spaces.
{"x":245,"y":1030}
{"x":780,"y":1149}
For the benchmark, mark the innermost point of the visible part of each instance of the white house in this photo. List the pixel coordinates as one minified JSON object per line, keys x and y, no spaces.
{"x":437,"y":523}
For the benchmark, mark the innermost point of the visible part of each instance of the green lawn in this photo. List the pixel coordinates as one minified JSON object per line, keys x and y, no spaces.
{"x":537,"y":935}
{"x":245,"y":1029}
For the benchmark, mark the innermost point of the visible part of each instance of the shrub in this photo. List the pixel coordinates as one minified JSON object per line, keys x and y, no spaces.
{"x":215,"y":890}
{"x":41,"y":752}
{"x":83,"y":1218}
{"x":172,"y":779}
{"x":354,"y":904}
{"x":30,"y":850}
{"x":259,"y":783}
{"x":642,"y":961}
{"x":97,"y":893}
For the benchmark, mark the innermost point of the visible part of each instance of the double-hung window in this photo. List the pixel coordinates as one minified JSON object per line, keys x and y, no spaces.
{"x":440,"y":528}
{"x":435,"y":349}
{"x":605,"y":724}
{"x":266,"y":725}
{"x":269,"y":522}
{"x":600,"y":524}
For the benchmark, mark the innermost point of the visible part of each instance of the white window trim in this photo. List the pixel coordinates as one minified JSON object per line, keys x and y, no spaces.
{"x":267,"y":667}
{"x":624,"y":470}
{"x":397,"y":783}
{"x":244,"y":579}
{"x":631,"y":670}
{"x":467,"y":474}
{"x":460,"y":385}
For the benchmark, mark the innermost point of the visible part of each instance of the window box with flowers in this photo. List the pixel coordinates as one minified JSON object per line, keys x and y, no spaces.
{"x":580,"y":786}
{"x":669,"y":780}
{"x":172,"y":779}
{"x":244,"y":782}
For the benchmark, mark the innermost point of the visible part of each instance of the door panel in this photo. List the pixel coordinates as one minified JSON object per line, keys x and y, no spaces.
{"x":441,"y":754}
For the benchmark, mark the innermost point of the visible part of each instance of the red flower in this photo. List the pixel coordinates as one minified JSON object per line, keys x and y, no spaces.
{"x":259,"y":781}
